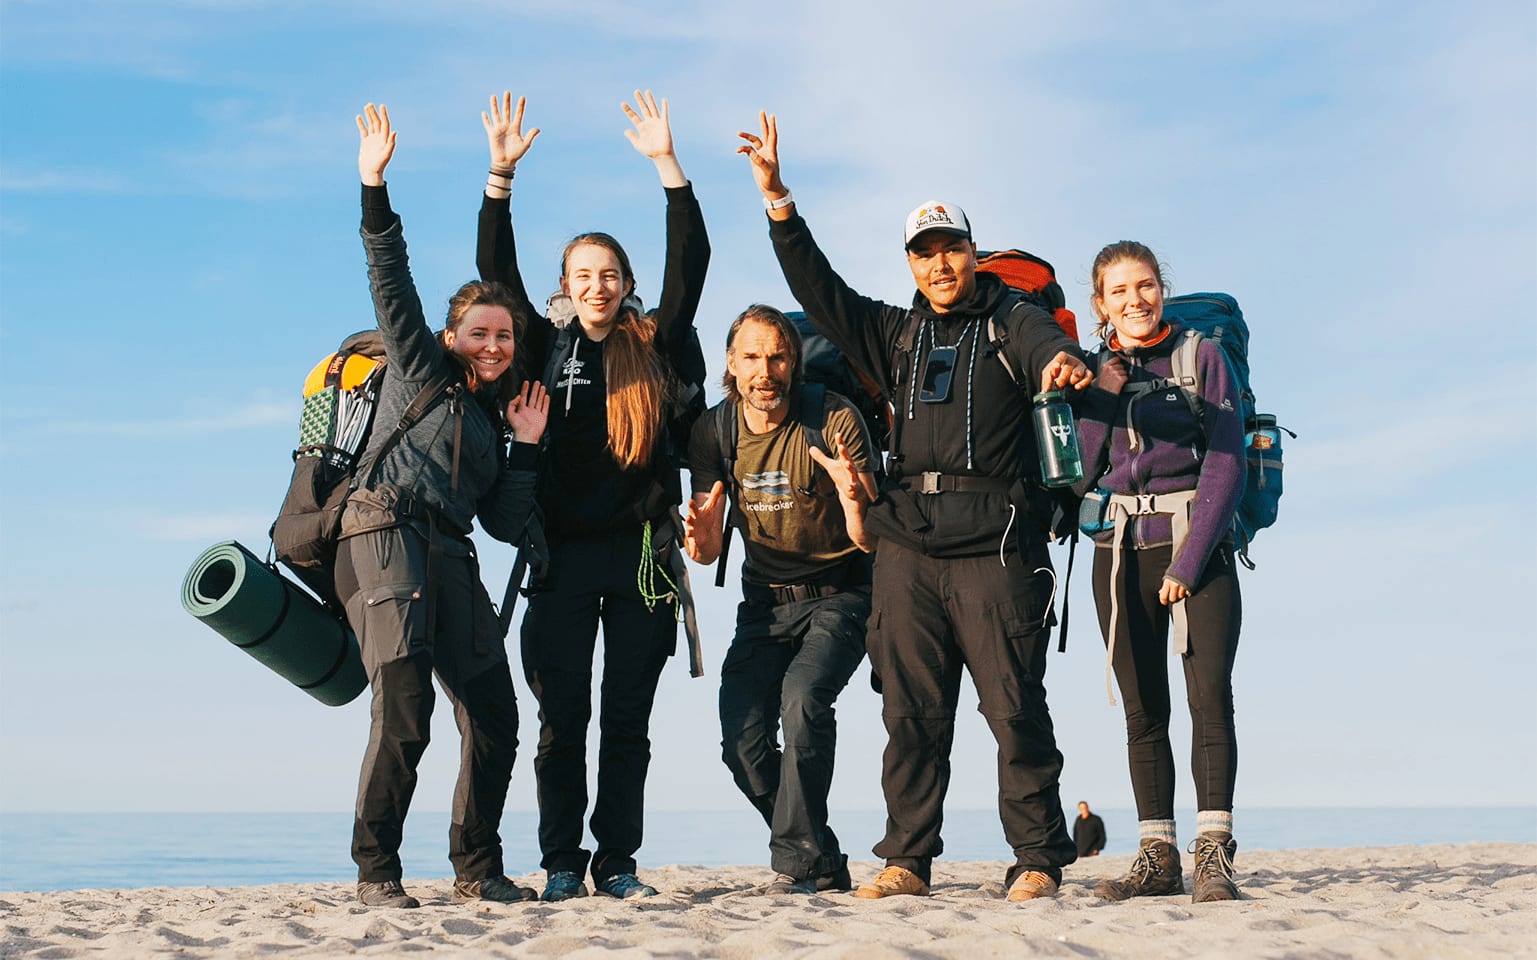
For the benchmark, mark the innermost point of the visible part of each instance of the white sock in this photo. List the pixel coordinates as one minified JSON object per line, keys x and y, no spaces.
{"x":1156,"y":830}
{"x":1214,"y":821}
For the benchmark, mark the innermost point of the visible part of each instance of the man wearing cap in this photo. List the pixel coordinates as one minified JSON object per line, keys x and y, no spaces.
{"x":962,"y":575}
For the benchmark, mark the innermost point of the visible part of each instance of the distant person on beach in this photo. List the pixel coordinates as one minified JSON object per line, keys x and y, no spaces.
{"x":1176,"y":479}
{"x":962,"y":577}
{"x":800,"y":629}
{"x":406,"y":566}
{"x":608,"y":490}
{"x":1088,"y":831}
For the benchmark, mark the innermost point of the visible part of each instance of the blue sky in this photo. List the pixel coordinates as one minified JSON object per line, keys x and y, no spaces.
{"x":178,"y":216}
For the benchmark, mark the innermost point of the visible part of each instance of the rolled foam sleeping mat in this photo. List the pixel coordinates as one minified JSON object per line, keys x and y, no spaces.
{"x":268,"y":616}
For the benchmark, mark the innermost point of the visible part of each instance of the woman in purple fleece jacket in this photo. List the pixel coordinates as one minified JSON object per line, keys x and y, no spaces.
{"x":1175,"y":478}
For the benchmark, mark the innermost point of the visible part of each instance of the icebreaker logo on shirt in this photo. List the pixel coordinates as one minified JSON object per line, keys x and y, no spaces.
{"x":572,"y":370}
{"x":774,"y":483}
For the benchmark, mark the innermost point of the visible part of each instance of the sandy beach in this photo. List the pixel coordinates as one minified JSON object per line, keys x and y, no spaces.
{"x":1476,"y":900}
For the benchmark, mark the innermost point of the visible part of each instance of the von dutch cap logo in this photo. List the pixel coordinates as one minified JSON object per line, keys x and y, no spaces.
{"x":936,"y":215}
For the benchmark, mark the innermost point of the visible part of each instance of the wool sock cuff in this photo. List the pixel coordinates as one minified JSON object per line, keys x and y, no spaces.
{"x":1214,"y":821}
{"x":1156,"y":830}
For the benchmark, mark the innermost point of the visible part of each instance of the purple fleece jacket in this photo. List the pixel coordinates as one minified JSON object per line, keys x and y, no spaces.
{"x":1176,"y":453}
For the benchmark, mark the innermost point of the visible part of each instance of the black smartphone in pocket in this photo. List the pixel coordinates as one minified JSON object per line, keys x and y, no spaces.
{"x":938,"y":371}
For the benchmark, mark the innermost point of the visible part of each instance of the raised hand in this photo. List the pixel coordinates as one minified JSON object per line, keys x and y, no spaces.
{"x":504,"y":131}
{"x":702,"y":523}
{"x":840,"y":466}
{"x":376,"y":146}
{"x":763,"y":151}
{"x":528,"y":413}
{"x":652,"y":135}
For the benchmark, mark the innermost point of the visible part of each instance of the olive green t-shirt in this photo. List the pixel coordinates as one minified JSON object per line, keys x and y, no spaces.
{"x":794,"y":526}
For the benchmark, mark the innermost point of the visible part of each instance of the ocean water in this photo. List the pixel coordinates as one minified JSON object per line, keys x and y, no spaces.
{"x":48,"y":851}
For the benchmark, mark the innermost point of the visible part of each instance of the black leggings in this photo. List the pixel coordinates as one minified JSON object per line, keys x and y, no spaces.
{"x":1214,"y":612}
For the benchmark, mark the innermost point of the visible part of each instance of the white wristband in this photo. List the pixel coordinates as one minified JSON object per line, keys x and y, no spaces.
{"x":779,"y":204}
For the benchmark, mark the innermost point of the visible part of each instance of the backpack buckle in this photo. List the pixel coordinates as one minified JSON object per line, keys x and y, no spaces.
{"x":930,"y":482}
{"x":1144,"y":504}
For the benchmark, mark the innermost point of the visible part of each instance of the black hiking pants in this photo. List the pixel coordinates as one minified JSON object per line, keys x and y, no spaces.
{"x":382,"y":577}
{"x":1214,"y":613}
{"x":932,"y":617}
{"x":592,"y":581}
{"x":787,"y":665}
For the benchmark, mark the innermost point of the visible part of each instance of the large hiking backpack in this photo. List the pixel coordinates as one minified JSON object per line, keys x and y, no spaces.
{"x":823,"y":363}
{"x":341,"y":395}
{"x":1035,"y":279}
{"x":1217,"y":317}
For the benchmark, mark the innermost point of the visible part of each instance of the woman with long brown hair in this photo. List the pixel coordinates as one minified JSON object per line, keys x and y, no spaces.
{"x":607,"y":489}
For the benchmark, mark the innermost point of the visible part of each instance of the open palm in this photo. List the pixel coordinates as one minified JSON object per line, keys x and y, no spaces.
{"x":504,"y":131}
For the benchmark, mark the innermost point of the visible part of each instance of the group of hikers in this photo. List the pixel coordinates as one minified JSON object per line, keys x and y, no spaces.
{"x":932,"y":561}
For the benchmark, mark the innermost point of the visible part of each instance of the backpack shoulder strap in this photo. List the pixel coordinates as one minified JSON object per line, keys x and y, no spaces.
{"x":998,"y":337}
{"x":1187,"y":373}
{"x":558,"y":351}
{"x":813,"y":415}
{"x":432,"y":391}
{"x":726,"y":436}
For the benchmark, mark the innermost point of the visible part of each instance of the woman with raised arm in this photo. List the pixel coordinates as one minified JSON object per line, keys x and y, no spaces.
{"x":607,"y":490}
{"x":1174,"y":478}
{"x":406,"y":568}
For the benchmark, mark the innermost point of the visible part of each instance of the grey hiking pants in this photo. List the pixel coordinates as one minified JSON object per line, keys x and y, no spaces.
{"x":411,"y":626}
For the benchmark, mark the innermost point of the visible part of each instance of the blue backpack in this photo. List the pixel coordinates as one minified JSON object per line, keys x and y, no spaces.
{"x":1217,"y":317}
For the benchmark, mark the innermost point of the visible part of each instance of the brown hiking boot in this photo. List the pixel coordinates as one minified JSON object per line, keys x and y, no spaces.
{"x":1214,"y":868}
{"x":385,"y":893}
{"x":893,"y":882}
{"x":1032,"y":885}
{"x":497,"y":889}
{"x":1155,"y":873}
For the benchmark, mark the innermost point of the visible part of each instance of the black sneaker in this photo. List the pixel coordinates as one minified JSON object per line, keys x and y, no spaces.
{"x":838,"y":878}
{"x":784,"y":885}
{"x":497,"y":889}
{"x":1155,"y":873}
{"x":385,"y":893}
{"x":1214,"y":868}
{"x":626,"y":886}
{"x":563,"y":885}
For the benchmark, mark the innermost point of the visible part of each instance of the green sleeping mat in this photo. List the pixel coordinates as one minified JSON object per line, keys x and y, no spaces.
{"x":270,"y":617}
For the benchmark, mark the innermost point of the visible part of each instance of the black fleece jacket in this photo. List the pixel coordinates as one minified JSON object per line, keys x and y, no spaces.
{"x":982,"y":430}
{"x":584,"y":491}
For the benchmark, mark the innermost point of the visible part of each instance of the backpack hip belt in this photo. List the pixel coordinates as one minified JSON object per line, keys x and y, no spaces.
{"x":1122,"y":507}
{"x":932,"y":482}
{"x":853,"y":572}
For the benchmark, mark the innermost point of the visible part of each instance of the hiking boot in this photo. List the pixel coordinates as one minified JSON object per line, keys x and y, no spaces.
{"x":1155,"y":873}
{"x":497,"y":889}
{"x":783,"y":885}
{"x":563,"y":885}
{"x":385,"y":893}
{"x":626,"y":886}
{"x":1032,"y":885}
{"x":1214,"y":868}
{"x":893,"y":882}
{"x":838,"y":878}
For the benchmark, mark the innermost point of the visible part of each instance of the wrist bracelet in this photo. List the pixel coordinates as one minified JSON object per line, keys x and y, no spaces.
{"x":507,"y":172}
{"x":779,"y":204}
